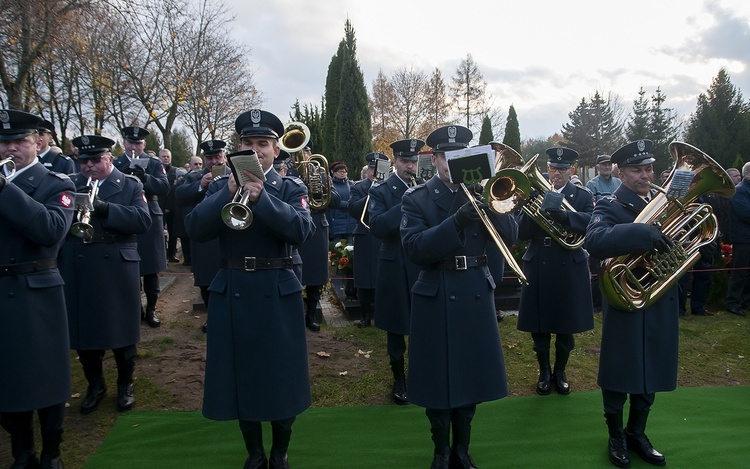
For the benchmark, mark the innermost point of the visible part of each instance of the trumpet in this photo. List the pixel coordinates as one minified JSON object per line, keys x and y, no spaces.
{"x":383,"y":169}
{"x":82,"y":228}
{"x":11,"y":170}
{"x":236,"y":214}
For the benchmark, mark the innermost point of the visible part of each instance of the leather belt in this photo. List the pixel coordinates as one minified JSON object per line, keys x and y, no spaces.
{"x":251,"y":264}
{"x":108,"y":238}
{"x":27,"y":267}
{"x":462,"y":262}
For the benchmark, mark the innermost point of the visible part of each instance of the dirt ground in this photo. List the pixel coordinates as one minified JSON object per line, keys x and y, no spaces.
{"x":173,"y":355}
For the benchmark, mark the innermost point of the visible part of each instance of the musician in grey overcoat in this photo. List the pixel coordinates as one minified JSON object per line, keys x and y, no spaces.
{"x":396,"y":273}
{"x":151,"y":245}
{"x":639,"y":348}
{"x":455,"y":355}
{"x":256,"y":357}
{"x":36,"y":209}
{"x":557,"y":299}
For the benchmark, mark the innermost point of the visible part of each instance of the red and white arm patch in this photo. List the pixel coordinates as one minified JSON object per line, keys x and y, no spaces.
{"x":66,"y":200}
{"x":143,"y":196}
{"x":303,"y":202}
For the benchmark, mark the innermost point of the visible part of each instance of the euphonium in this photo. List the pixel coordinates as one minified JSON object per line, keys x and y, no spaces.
{"x":313,"y":170}
{"x":236,"y":214}
{"x":82,"y":228}
{"x":533,"y":208}
{"x":11,"y":166}
{"x":633,"y":281}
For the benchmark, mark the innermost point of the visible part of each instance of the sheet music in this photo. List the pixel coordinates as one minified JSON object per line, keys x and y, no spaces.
{"x":247,"y":162}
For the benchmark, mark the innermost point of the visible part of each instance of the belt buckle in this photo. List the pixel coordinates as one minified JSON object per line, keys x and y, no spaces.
{"x":250,"y":264}
{"x":460,"y":262}
{"x":547,"y":241}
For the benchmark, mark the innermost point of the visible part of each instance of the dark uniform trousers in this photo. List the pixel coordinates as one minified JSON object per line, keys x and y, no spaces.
{"x":21,"y":426}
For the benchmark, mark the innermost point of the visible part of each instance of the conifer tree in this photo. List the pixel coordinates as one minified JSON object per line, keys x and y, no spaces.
{"x":485,"y":136}
{"x":512,"y":136}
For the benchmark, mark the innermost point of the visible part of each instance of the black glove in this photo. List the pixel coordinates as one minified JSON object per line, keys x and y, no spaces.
{"x":3,"y":181}
{"x":83,"y":189}
{"x":558,"y":215}
{"x":101,"y":207}
{"x":466,"y":215}
{"x":659,"y":241}
{"x":533,"y":195}
{"x":138,"y":172}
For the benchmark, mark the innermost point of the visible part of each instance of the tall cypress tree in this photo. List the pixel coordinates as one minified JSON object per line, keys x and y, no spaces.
{"x":512,"y":136}
{"x":637,"y":127}
{"x":485,"y":136}
{"x":353,"y":126}
{"x":332,"y":93}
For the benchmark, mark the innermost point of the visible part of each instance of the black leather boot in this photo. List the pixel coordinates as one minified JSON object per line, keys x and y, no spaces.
{"x":638,"y":441}
{"x":310,"y":320}
{"x":365,"y":305}
{"x":96,"y":391}
{"x":256,"y":458}
{"x":440,"y":427}
{"x":149,"y":316}
{"x":544,"y":383}
{"x":22,"y":448}
{"x":399,"y":382}
{"x":558,"y":375}
{"x":125,"y":395}
{"x":460,"y":457}
{"x":282,"y":433}
{"x":50,"y":458}
{"x":618,"y":450}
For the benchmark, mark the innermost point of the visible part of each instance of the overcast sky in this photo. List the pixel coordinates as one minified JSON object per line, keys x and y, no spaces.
{"x":540,"y":56}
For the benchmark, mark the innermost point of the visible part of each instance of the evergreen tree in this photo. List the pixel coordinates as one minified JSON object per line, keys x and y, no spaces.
{"x":181,"y":147}
{"x":638,"y":125}
{"x":153,"y":141}
{"x":485,"y":136}
{"x":593,"y":129}
{"x":662,"y":130}
{"x":512,"y":136}
{"x":353,"y":127}
{"x":332,"y":93}
{"x":719,"y":125}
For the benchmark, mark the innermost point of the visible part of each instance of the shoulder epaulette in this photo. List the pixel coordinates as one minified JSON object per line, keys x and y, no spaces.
{"x":62,"y":176}
{"x":297,"y":180}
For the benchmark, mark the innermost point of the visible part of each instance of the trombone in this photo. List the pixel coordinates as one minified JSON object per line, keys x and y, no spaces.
{"x":82,"y":228}
{"x":507,"y":255}
{"x":11,"y":167}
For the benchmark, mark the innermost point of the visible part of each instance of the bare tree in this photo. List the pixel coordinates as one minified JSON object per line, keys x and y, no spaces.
{"x":438,"y":104}
{"x":26,"y":29}
{"x":411,"y":105}
{"x":468,"y":92}
{"x":381,"y":106}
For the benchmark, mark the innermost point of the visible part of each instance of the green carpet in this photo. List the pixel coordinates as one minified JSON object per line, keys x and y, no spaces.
{"x":693,"y":427}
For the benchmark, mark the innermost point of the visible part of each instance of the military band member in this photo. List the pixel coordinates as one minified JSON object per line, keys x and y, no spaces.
{"x":639,"y":348}
{"x":557,"y":299}
{"x":368,"y":246}
{"x":102,"y":280}
{"x":314,"y":254}
{"x":151,"y":245}
{"x":256,"y":358}
{"x":206,"y":256}
{"x":396,"y":273}
{"x":455,"y":356}
{"x":51,"y":157}
{"x":36,"y":209}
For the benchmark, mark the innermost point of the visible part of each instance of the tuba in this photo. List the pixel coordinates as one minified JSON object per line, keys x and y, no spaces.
{"x":11,"y":167}
{"x":631,"y":282}
{"x":82,"y":228}
{"x":313,"y":170}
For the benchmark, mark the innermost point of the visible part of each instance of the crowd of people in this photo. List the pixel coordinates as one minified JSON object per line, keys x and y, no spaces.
{"x":428,"y":258}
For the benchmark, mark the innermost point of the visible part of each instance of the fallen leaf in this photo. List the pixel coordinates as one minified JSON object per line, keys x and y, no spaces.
{"x":343,"y":373}
{"x":76,"y":395}
{"x":323,"y":354}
